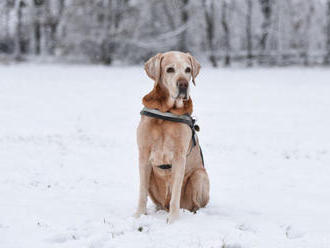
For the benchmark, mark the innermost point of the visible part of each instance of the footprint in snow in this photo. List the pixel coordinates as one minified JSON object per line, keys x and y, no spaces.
{"x":293,"y":233}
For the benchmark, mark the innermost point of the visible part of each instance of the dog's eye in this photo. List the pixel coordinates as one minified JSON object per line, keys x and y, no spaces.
{"x":188,"y":70}
{"x":170,"y":70}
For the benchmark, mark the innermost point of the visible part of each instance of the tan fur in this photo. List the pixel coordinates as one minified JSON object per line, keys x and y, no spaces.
{"x":186,"y":184}
{"x":158,"y":99}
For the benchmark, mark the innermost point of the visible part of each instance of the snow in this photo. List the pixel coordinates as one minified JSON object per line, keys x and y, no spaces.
{"x":68,"y":159}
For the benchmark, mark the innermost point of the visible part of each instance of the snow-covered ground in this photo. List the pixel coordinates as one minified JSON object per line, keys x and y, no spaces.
{"x":68,"y":159}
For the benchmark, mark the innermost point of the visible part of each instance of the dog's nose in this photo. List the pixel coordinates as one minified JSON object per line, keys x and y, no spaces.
{"x":183,"y":84}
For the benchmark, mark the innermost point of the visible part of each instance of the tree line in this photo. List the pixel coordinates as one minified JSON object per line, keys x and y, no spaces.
{"x":224,"y":32}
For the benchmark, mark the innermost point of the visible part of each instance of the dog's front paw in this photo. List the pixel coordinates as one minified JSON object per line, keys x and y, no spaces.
{"x":172,"y":216}
{"x":139,"y":213}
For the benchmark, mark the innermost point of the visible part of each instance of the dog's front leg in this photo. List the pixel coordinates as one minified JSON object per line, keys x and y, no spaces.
{"x":178,"y":169}
{"x":144,"y":170}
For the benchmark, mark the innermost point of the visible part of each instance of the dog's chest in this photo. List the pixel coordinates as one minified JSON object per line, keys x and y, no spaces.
{"x":162,"y":145}
{"x":163,"y":139}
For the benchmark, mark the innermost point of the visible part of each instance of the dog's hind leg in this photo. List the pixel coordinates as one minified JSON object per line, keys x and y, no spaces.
{"x":195,"y":193}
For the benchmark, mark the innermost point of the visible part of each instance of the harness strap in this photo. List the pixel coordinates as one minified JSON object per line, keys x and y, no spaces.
{"x":167,"y":116}
{"x":169,"y":166}
{"x":187,"y":119}
{"x":165,"y":166}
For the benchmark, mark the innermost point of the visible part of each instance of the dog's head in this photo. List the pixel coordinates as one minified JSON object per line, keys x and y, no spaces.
{"x":173,"y":71}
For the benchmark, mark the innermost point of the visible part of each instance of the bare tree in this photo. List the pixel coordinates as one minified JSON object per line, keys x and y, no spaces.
{"x":184,"y":21}
{"x":306,"y":40}
{"x":266,"y":10}
{"x":249,"y":54}
{"x":327,"y":56}
{"x":19,"y":37}
{"x":108,"y":20}
{"x":37,"y":26}
{"x":209,"y":13}
{"x":226,"y":30}
{"x":51,"y":22}
{"x":115,"y":11}
{"x":101,"y":31}
{"x":8,"y":5}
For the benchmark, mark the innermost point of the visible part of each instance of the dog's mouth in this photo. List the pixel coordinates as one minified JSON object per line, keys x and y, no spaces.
{"x":183,"y":94}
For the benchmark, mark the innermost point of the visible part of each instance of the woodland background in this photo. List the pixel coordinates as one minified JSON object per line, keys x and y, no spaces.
{"x":68,"y":156}
{"x":222,"y":32}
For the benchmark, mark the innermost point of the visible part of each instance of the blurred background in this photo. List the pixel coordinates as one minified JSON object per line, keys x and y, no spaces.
{"x":220,"y":32}
{"x":70,"y":98}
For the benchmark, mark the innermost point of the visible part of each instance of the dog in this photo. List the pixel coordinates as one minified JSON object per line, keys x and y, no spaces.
{"x":184,"y":183}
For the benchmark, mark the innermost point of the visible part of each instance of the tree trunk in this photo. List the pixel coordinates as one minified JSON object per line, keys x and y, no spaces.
{"x":109,"y":19}
{"x":266,"y":10}
{"x":7,"y":21}
{"x":51,"y":25}
{"x":52,"y":36}
{"x":307,"y":35}
{"x":249,"y":33}
{"x":184,"y":21}
{"x":224,"y":22}
{"x":19,"y":38}
{"x":327,"y":56}
{"x":209,"y":18}
{"x":37,"y":36}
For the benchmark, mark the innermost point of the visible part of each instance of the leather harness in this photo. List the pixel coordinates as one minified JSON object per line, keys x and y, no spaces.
{"x":167,"y":116}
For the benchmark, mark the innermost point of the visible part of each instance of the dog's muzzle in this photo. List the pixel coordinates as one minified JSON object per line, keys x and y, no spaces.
{"x":183,"y":88}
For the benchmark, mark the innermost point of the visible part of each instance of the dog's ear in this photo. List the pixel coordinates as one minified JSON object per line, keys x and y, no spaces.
{"x":152,"y":67}
{"x":195,"y":67}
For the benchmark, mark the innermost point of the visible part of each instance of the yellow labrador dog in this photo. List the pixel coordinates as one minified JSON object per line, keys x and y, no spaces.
{"x":170,"y":161}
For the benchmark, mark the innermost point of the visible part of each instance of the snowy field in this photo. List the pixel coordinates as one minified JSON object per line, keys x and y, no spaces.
{"x":68,"y":159}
